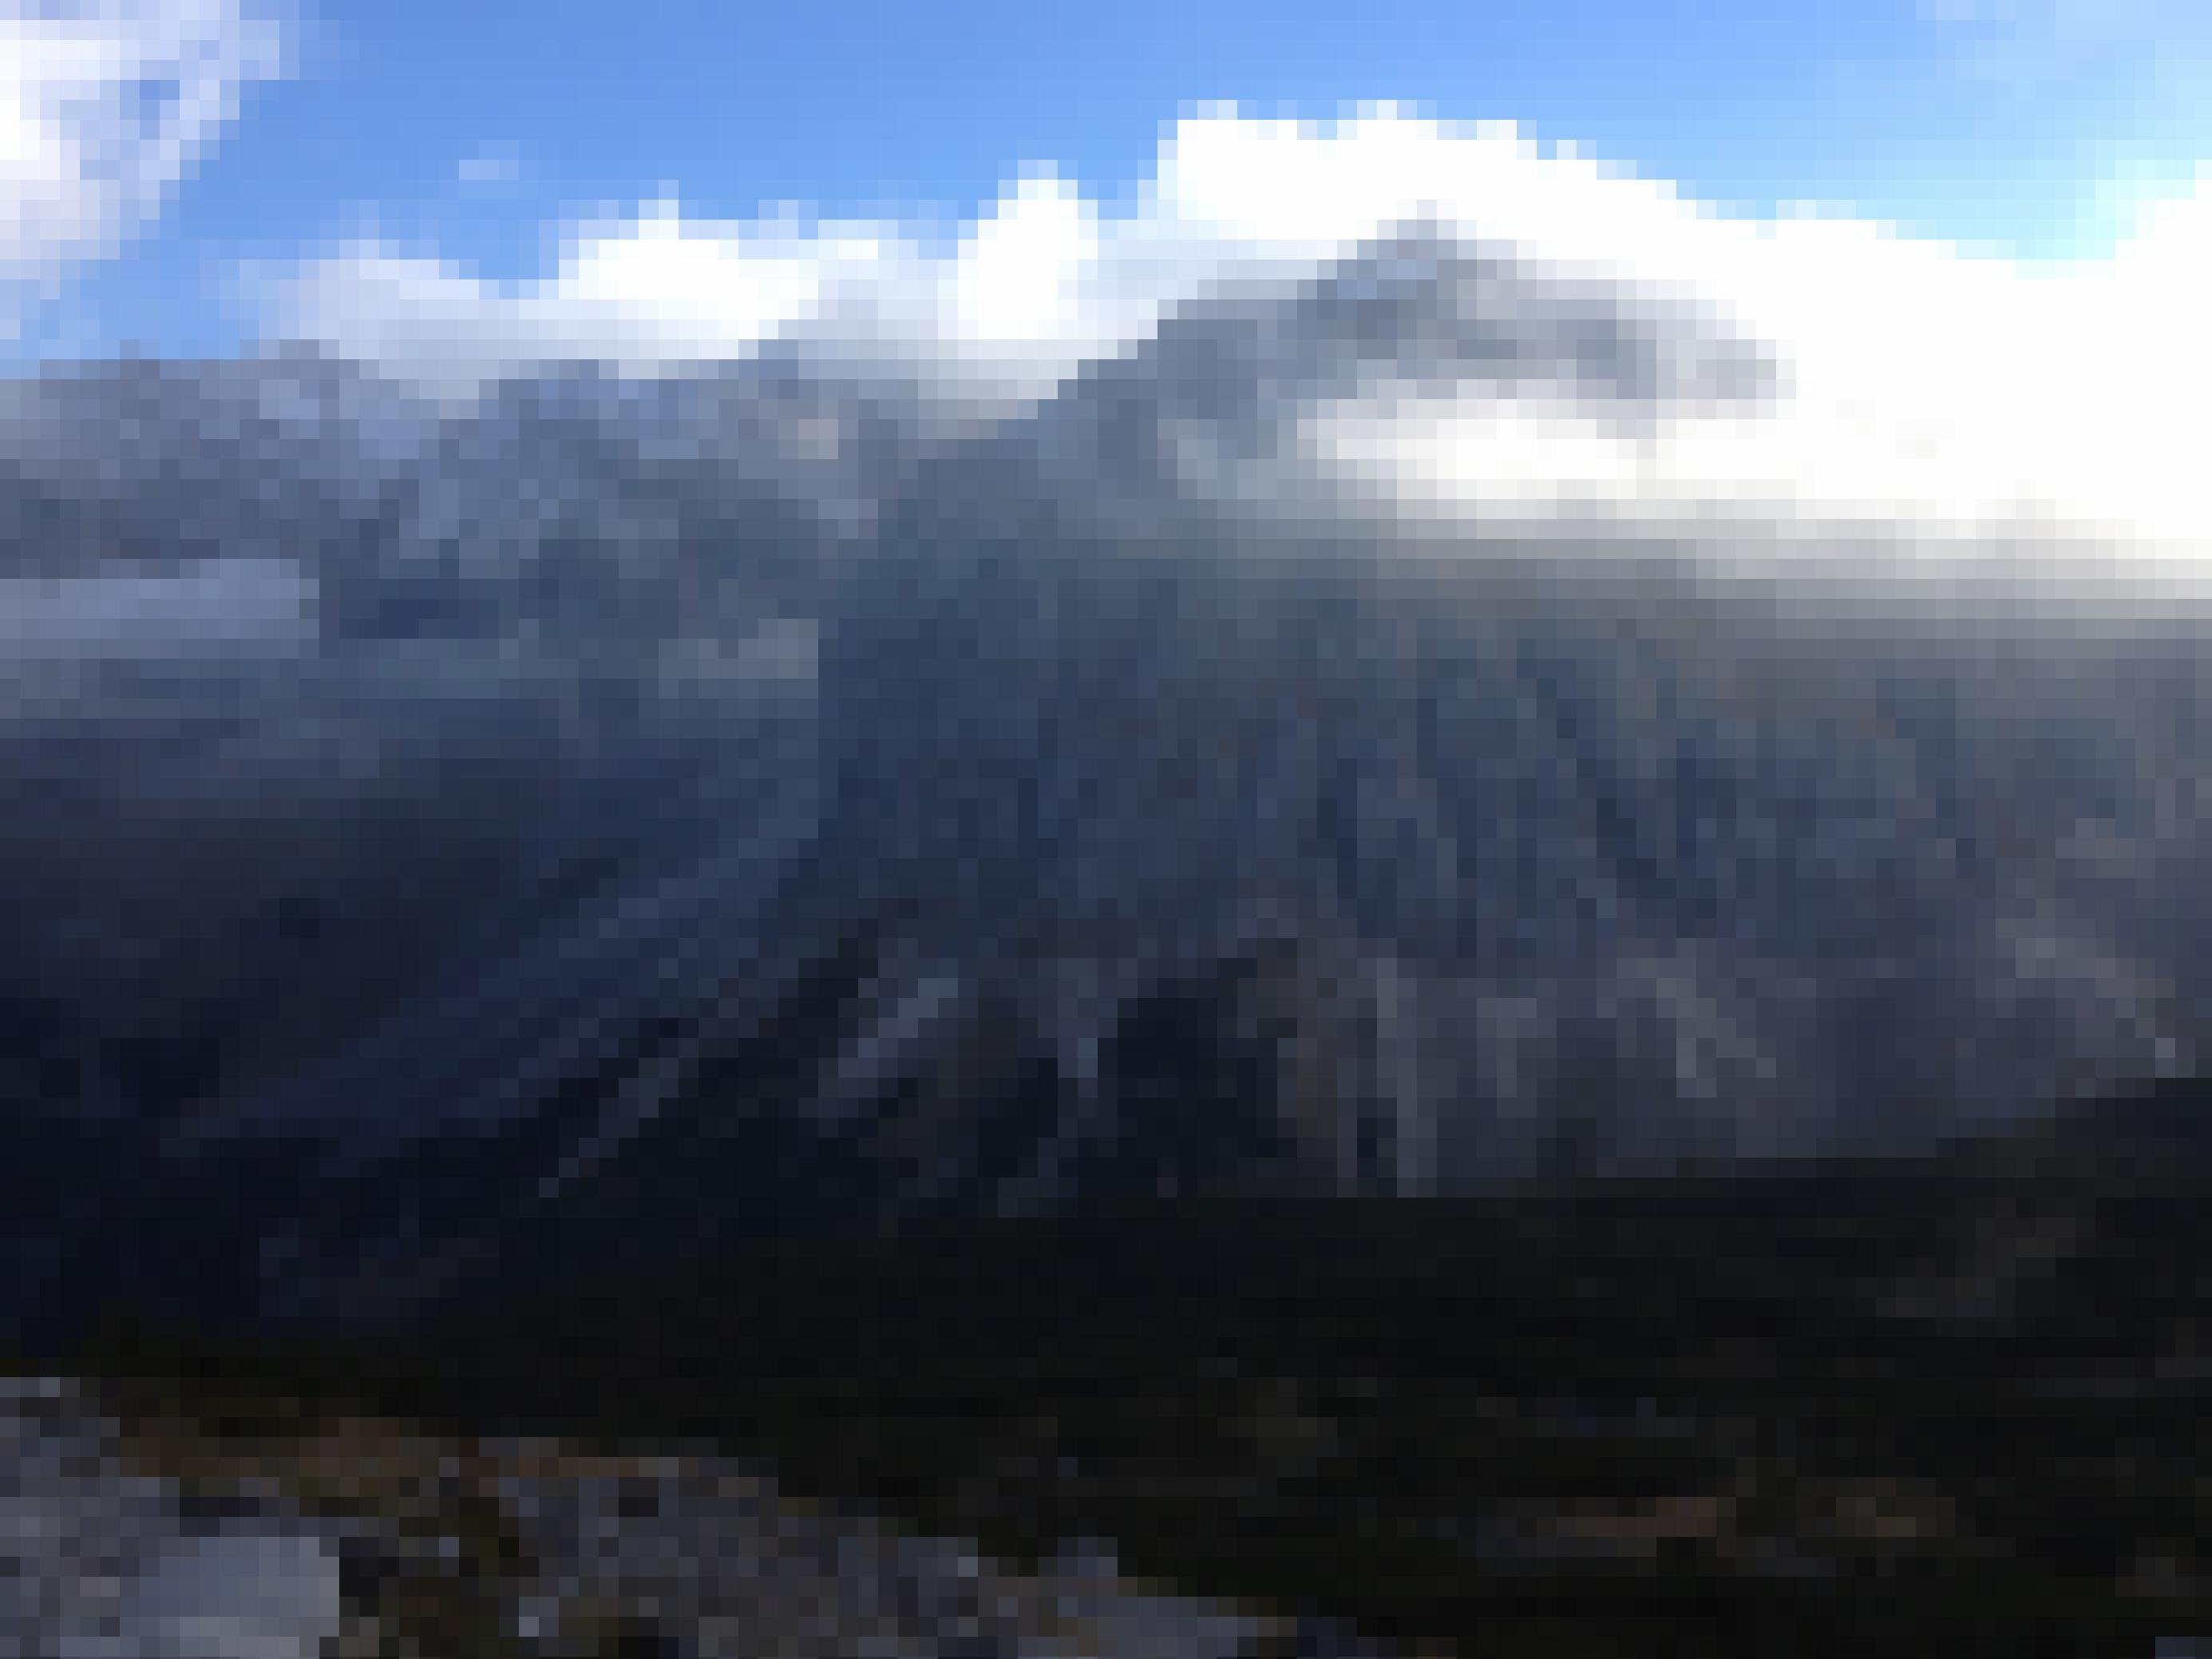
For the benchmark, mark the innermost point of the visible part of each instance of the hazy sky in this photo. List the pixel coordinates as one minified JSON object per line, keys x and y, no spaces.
{"x":474,"y":131}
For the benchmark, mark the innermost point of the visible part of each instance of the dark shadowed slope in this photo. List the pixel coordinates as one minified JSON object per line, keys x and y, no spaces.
{"x":1919,"y":1405}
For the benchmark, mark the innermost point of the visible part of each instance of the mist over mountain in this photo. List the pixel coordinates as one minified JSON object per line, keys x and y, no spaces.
{"x":614,"y":810}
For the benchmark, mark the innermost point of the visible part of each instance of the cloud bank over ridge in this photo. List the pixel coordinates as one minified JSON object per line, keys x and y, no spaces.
{"x":1925,"y":380}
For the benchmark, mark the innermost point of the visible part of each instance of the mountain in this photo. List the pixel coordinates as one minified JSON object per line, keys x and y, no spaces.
{"x":624,"y":815}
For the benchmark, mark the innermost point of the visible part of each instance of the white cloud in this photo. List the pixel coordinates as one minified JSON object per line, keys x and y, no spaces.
{"x":221,"y":607}
{"x":1954,"y":389}
{"x":103,"y":108}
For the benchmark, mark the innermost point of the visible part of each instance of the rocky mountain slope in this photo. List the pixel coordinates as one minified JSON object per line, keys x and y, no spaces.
{"x":627,"y":814}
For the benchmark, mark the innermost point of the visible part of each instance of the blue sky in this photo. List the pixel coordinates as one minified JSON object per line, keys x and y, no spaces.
{"x":472,"y":130}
